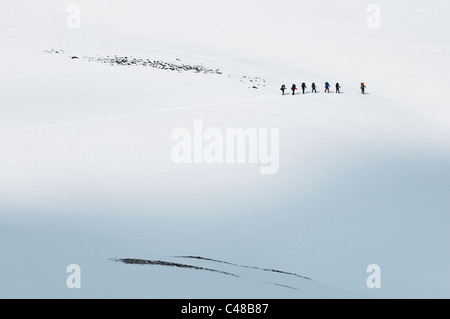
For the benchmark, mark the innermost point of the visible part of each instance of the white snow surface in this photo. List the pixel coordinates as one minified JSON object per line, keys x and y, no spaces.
{"x":86,"y":174}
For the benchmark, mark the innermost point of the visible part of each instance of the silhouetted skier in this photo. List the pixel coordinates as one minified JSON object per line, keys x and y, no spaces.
{"x":303,"y":87}
{"x":338,"y":87}
{"x":283,"y":87}
{"x":327,"y":87}
{"x":293,"y":88}
{"x":313,"y":86}
{"x":362,"y":87}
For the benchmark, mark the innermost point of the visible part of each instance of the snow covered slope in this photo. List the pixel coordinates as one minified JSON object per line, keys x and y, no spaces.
{"x":87,"y":178}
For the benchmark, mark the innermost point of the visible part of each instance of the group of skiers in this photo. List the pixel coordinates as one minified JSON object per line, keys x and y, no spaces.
{"x":313,"y":88}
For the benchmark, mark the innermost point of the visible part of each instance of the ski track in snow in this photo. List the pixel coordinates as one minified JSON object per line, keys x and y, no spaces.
{"x":120,"y":116}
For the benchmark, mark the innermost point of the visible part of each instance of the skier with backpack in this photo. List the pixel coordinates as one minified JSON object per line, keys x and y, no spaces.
{"x":338,"y":87}
{"x":293,"y":88}
{"x":303,"y":87}
{"x":327,"y":87}
{"x":362,"y":87}
{"x":283,"y":87}
{"x":313,"y":87}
